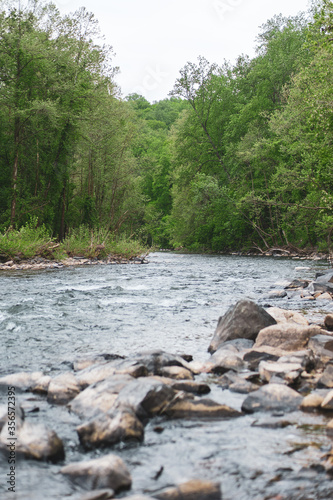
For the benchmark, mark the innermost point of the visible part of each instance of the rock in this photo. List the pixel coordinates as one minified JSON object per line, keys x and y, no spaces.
{"x":312,"y":402}
{"x":62,"y":388}
{"x":176,"y":372}
{"x":192,"y":490}
{"x":237,"y":383}
{"x":324,"y":283}
{"x":326,"y":380}
{"x":156,"y":361}
{"x":277,"y":294}
{"x":224,"y":360}
{"x":183,"y":407}
{"x":99,"y":397}
{"x":253,"y":358}
{"x":21,"y":380}
{"x":110,"y":429}
{"x":327,"y":404}
{"x":18,"y":413}
{"x":244,"y":320}
{"x":268,"y":369}
{"x":190,"y":386}
{"x":321,"y":347}
{"x":97,"y":373}
{"x":286,"y":336}
{"x":145,"y":396}
{"x":329,"y":427}
{"x":94,"y":359}
{"x":97,"y":495}
{"x":328,"y":322}
{"x":287,"y":316}
{"x":41,"y":386}
{"x":272,"y":397}
{"x":35,"y":441}
{"x":324,"y":296}
{"x":108,"y":471}
{"x":296,"y":284}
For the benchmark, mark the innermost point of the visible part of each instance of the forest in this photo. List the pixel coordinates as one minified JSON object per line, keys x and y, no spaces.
{"x":238,"y":156}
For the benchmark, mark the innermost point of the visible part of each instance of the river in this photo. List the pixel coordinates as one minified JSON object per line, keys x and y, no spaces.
{"x":48,"y":318}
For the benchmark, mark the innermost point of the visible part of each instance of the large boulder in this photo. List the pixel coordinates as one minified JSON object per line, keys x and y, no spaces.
{"x":34,"y":441}
{"x":109,"y":429}
{"x":99,"y":397}
{"x":62,"y":388}
{"x":108,"y":471}
{"x":243,"y":320}
{"x":287,"y":316}
{"x":286,"y":336}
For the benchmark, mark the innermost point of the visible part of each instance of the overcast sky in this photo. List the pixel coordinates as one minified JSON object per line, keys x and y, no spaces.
{"x":154,"y":39}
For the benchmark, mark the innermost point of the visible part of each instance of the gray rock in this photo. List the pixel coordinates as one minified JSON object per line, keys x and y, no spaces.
{"x":244,"y":320}
{"x":253,"y":358}
{"x":109,"y":429}
{"x":268,"y":369}
{"x":272,"y":397}
{"x":62,"y":388}
{"x":286,"y":336}
{"x":21,"y":380}
{"x":176,"y":372}
{"x":328,"y":322}
{"x":326,"y":380}
{"x":192,"y":490}
{"x":99,"y":372}
{"x":108,"y":471}
{"x":324,"y":283}
{"x":156,"y":361}
{"x":35,"y":441}
{"x":287,"y":316}
{"x":321,"y":347}
{"x":237,"y":383}
{"x":145,"y":396}
{"x":184,"y":407}
{"x":97,"y":495}
{"x":99,"y":397}
{"x":224,"y":360}
{"x":327,"y":403}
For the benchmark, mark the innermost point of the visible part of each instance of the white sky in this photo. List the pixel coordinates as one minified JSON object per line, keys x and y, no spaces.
{"x":154,"y":39}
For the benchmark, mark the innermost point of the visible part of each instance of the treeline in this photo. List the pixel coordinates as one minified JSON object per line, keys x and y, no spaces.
{"x":238,"y":156}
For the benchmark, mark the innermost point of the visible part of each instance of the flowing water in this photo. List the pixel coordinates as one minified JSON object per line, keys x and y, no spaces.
{"x":48,"y":318}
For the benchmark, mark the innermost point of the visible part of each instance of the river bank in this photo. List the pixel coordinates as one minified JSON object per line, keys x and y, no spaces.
{"x":236,"y":420}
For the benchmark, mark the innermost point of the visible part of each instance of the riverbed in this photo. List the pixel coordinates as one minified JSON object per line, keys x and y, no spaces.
{"x":49,"y":318}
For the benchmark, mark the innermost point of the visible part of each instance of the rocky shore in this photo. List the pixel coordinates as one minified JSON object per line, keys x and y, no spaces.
{"x":276,"y":358}
{"x":38,"y":263}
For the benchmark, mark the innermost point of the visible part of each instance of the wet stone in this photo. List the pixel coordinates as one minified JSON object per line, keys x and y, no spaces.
{"x":192,"y":490}
{"x":176,"y":372}
{"x":156,"y":361}
{"x":35,"y":441}
{"x":312,"y":402}
{"x":99,"y":397}
{"x":93,"y":359}
{"x":321,"y":347}
{"x":243,"y":320}
{"x":286,"y":336}
{"x":272,"y":397}
{"x":145,"y":396}
{"x":105,"y":494}
{"x":224,"y":360}
{"x":326,"y":380}
{"x":253,"y":358}
{"x":108,"y":471}
{"x":110,"y":429}
{"x":94,"y":373}
{"x":268,"y":369}
{"x":287,"y":316}
{"x":184,"y":407}
{"x":62,"y":389}
{"x":21,"y":380}
{"x":327,"y":404}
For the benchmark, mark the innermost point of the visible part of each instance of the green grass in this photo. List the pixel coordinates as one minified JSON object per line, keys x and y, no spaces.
{"x":32,"y":241}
